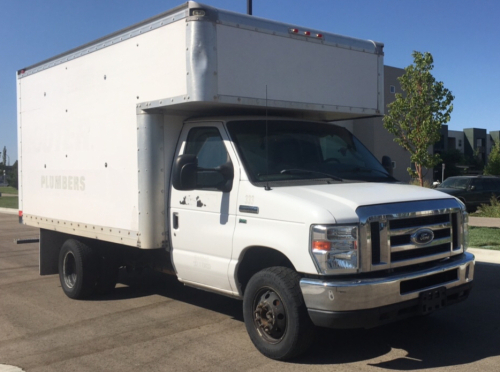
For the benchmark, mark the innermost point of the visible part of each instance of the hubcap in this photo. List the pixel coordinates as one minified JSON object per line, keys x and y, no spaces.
{"x":69,"y":270}
{"x":270,"y":315}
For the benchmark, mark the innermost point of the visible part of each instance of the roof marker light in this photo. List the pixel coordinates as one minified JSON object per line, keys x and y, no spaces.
{"x":319,"y":36}
{"x":198,"y":12}
{"x":307,"y":33}
{"x":294,"y":30}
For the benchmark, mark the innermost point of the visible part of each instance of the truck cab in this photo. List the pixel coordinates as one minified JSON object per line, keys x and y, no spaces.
{"x":308,"y":196}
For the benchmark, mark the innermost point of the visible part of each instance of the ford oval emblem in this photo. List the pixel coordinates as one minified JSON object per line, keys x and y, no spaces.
{"x":422,"y":236}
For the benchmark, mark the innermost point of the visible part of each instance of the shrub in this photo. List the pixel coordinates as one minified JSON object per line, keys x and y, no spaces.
{"x":489,"y":210}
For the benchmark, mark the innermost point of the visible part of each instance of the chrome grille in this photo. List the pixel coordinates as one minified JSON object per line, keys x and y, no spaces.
{"x":390,"y":233}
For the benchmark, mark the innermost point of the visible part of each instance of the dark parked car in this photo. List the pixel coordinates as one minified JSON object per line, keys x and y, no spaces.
{"x":472,"y":190}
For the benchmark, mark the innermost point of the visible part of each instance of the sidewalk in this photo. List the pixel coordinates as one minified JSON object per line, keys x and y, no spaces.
{"x":9,"y":211}
{"x":484,"y":221}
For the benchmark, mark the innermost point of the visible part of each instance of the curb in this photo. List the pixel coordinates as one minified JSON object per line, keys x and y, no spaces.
{"x":9,"y":211}
{"x":485,"y":255}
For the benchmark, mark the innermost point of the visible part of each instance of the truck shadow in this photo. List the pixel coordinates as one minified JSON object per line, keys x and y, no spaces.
{"x":150,"y":283}
{"x":461,"y":334}
{"x":458,"y":335}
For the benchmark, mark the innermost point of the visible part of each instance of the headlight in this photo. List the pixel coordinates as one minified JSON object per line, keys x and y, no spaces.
{"x":465,"y":239}
{"x":335,"y":248}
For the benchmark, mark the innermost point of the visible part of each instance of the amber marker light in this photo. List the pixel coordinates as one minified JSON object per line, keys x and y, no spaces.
{"x":321,"y":245}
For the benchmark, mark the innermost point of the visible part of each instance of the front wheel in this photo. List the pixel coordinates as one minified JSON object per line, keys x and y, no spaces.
{"x":275,"y":314}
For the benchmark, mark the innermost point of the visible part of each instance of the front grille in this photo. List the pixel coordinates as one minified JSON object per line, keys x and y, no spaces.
{"x":398,"y":236}
{"x":403,"y":248}
{"x":416,"y":221}
{"x":417,"y":253}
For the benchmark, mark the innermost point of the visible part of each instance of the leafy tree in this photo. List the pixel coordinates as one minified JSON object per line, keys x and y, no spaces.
{"x":493,"y":166}
{"x":415,"y":118}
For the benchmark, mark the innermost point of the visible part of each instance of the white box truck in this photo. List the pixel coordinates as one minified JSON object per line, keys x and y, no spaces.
{"x":200,"y":143}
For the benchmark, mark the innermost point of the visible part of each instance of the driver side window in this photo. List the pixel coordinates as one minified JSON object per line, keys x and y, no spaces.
{"x":214,"y":165}
{"x":208,"y":146}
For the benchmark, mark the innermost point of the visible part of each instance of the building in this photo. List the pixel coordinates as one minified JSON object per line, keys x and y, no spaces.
{"x":456,"y":140}
{"x":376,"y":138}
{"x":476,"y":141}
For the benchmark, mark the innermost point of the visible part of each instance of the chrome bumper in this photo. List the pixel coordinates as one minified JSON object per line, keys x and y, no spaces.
{"x":350,"y":295}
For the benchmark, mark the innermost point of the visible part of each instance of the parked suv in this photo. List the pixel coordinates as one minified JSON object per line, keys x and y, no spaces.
{"x":472,"y":190}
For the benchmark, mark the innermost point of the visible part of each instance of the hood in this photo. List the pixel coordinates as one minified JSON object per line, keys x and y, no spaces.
{"x":338,"y":203}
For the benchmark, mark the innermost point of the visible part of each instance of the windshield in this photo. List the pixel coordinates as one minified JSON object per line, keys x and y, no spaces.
{"x":299,"y":150}
{"x":454,"y":183}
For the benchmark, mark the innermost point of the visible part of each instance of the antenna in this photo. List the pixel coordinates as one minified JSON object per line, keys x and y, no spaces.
{"x":267,"y":188}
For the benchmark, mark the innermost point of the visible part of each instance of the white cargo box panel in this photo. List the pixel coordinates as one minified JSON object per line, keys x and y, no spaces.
{"x":98,"y":125}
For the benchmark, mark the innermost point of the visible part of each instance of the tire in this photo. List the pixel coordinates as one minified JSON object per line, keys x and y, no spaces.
{"x":275,"y":315}
{"x":77,"y":269}
{"x":108,"y":275}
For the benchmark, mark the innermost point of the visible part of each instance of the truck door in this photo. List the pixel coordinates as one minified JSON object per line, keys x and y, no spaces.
{"x":202,"y":221}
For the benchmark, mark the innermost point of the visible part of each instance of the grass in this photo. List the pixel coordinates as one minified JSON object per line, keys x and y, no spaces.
{"x":484,"y":237}
{"x":9,"y":202}
{"x":8,"y":190}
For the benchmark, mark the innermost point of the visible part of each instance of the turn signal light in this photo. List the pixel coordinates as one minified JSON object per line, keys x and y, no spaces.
{"x":321,"y":245}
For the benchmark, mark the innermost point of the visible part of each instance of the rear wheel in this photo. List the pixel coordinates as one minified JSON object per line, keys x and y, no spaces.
{"x":275,"y":314}
{"x":77,"y":271}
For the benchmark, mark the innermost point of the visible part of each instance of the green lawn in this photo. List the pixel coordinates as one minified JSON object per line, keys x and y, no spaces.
{"x":8,"y":190}
{"x":9,"y":202}
{"x":484,"y":237}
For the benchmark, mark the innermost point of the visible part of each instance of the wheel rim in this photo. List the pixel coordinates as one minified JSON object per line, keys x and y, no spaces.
{"x":69,"y":270}
{"x":269,"y":315}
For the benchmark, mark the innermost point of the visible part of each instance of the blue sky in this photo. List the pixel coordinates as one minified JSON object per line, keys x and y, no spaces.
{"x":462,"y":35}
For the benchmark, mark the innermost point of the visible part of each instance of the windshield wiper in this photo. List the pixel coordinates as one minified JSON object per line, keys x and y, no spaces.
{"x":290,"y":171}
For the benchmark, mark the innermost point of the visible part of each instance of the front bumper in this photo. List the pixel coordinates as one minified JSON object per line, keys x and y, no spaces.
{"x":367,"y":302}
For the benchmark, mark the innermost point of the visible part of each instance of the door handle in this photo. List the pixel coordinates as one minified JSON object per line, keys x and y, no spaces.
{"x":175,"y":221}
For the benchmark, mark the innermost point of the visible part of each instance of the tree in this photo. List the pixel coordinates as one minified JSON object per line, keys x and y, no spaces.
{"x":493,"y":166}
{"x":415,"y":118}
{"x":12,"y":176}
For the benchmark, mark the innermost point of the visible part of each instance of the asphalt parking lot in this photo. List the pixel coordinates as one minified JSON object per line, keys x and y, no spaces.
{"x":153,"y":323}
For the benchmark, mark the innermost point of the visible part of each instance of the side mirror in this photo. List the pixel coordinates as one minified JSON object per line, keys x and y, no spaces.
{"x":387,"y":164}
{"x":227,"y":171}
{"x":220,"y":178}
{"x":184,"y":174}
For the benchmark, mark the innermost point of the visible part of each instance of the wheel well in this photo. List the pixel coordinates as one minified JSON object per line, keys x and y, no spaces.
{"x":256,"y":259}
